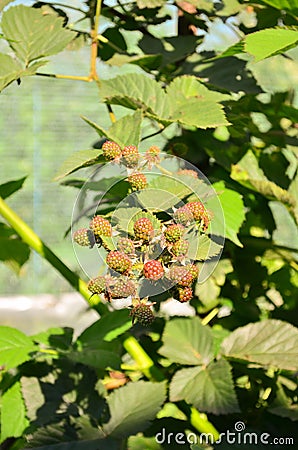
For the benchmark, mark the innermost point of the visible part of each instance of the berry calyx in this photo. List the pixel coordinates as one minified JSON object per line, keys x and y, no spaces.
{"x":126,"y":246}
{"x":137,"y":181}
{"x":121,"y":288}
{"x":130,"y":156}
{"x":142,"y":313}
{"x":118,"y":261}
{"x":111,"y":150}
{"x":143,"y":229}
{"x":84,"y":237}
{"x":97,"y":285}
{"x":181,"y":276}
{"x":152,"y":156}
{"x":174,"y":232}
{"x":153,"y":270}
{"x":180,"y":248}
{"x":183,"y":215}
{"x":100,"y":226}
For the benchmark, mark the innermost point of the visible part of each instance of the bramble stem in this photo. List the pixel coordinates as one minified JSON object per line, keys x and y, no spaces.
{"x":66,"y":77}
{"x":210,"y":316}
{"x":94,"y":45}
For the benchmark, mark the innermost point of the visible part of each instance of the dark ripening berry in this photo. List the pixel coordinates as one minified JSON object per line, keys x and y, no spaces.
{"x":100,"y":226}
{"x":97,"y":285}
{"x":181,"y":276}
{"x":137,"y":181}
{"x":174,"y":232}
{"x":111,"y":150}
{"x":84,"y":237}
{"x":153,"y":270}
{"x":118,"y":261}
{"x":126,"y":245}
{"x":184,"y":294}
{"x":143,"y":229}
{"x":122,"y":288}
{"x":183,"y":215}
{"x":142,"y":313}
{"x":180,"y":248}
{"x":130,"y":156}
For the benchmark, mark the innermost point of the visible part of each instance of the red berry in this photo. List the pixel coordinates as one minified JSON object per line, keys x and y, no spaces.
{"x":130,"y":156}
{"x":137,"y":181}
{"x":97,"y":285}
{"x":153,"y":270}
{"x":174,"y":232}
{"x":181,"y":275}
{"x":143,"y":229}
{"x":100,"y":226}
{"x":111,"y":150}
{"x":118,"y":261}
{"x":142,"y":313}
{"x":84,"y":237}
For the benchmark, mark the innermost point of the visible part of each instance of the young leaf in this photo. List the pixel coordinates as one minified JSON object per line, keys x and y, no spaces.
{"x":13,"y":414}
{"x":187,"y":341}
{"x":9,"y":188}
{"x":269,"y":42}
{"x":15,"y":347}
{"x":32,"y":34}
{"x":210,"y":389}
{"x":133,"y":406}
{"x":268,"y":343}
{"x":78,"y":160}
{"x":125,"y":131}
{"x":232,"y":211}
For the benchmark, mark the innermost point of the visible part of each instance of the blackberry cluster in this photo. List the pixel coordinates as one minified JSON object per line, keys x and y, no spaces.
{"x":152,"y":251}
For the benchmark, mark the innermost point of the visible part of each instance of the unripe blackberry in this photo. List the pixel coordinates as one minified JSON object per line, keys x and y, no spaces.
{"x":174,"y":232}
{"x":142,"y":313}
{"x":100,"y":226}
{"x":137,"y":181}
{"x":111,"y":150}
{"x":126,"y":245}
{"x":189,"y":172}
{"x":143,"y":229}
{"x":122,"y":288}
{"x":84,"y":237}
{"x":153,"y":270}
{"x":180,"y":248}
{"x":193,"y":270}
{"x":118,"y":261}
{"x":180,"y":275}
{"x":183,"y":215}
{"x":130,"y":156}
{"x":184,"y":294}
{"x":197,"y":208}
{"x":97,"y":285}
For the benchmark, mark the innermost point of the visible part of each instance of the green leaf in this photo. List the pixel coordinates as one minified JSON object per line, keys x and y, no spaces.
{"x":269,"y":42}
{"x":210,"y":389}
{"x":14,"y":253}
{"x":32,"y":34}
{"x":125,"y":131}
{"x":286,"y":232}
{"x":150,"y":3}
{"x":248,"y":173}
{"x":4,"y":3}
{"x":15,"y":347}
{"x":232,"y":211}
{"x":78,"y":160}
{"x":187,"y":341}
{"x":268,"y":343}
{"x":10,"y":70}
{"x":206,"y":248}
{"x":33,"y":396}
{"x":13,"y":414}
{"x":9,"y":188}
{"x":133,"y":406}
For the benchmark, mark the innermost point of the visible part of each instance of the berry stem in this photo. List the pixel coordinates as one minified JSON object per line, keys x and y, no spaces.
{"x":34,"y":241}
{"x":210,"y":316}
